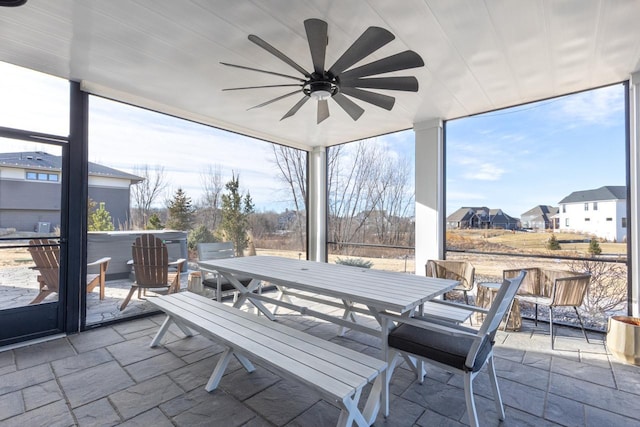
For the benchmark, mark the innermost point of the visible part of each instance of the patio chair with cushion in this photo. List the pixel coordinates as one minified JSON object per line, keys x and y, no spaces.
{"x":462,"y":271}
{"x":46,"y":257}
{"x":211,"y":278}
{"x":553,"y":288}
{"x":453,"y":347}
{"x":151,"y":267}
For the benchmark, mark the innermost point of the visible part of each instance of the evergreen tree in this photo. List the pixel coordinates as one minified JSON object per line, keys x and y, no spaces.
{"x":236,"y":210}
{"x":180,"y":212}
{"x":553,"y":244}
{"x":154,"y":222}
{"x":99,"y":219}
{"x":594,"y":247}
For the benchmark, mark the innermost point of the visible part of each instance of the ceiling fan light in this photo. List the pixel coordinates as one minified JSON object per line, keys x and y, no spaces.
{"x":321,"y":95}
{"x":12,"y":3}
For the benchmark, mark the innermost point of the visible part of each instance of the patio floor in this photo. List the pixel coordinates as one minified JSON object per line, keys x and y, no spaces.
{"x":110,"y":376}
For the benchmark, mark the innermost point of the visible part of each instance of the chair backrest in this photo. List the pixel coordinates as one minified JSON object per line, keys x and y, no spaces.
{"x":462,"y":271}
{"x":569,"y":289}
{"x":47,"y":260}
{"x":217,"y":250}
{"x":499,"y":307}
{"x":531,"y":284}
{"x":150,"y":261}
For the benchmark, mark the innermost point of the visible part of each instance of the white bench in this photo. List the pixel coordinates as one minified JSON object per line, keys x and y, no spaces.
{"x":338,"y":373}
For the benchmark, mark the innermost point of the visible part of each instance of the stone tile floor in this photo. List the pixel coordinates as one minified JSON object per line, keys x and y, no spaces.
{"x":109,"y":376}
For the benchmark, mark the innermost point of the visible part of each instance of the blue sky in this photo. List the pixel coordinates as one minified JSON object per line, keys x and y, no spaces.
{"x":511,"y":159}
{"x":536,"y":154}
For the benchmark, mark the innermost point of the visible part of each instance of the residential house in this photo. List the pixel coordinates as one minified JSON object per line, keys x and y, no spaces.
{"x":481,"y":217}
{"x":601,"y":212}
{"x":541,"y":217}
{"x":30,"y":191}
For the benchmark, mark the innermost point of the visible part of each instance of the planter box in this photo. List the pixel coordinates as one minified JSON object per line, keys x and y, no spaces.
{"x":623,"y":338}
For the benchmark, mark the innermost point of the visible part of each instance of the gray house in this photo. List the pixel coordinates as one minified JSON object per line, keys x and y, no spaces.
{"x":542,"y":217}
{"x":30,"y":191}
{"x":481,"y":217}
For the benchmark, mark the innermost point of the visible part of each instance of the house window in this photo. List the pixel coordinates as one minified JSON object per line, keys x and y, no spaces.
{"x":587,"y":219}
{"x":42,"y":176}
{"x":564,"y":208}
{"x":609,"y":219}
{"x":623,"y":222}
{"x":586,"y":206}
{"x":566,"y":222}
{"x":595,"y":206}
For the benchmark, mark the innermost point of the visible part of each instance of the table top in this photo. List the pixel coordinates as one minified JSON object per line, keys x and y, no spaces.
{"x":384,"y":290}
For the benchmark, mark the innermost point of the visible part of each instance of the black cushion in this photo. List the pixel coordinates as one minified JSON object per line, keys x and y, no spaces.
{"x":451,"y":351}
{"x":212,"y":282}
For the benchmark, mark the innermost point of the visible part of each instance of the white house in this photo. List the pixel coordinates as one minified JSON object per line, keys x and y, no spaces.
{"x":601,"y":212}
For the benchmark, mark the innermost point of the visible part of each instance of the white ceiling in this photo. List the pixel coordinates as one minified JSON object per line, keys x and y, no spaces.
{"x":479,"y":55}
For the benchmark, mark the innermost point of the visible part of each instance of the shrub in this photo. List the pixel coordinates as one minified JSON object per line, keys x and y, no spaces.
{"x":200,"y":234}
{"x":594,"y":247}
{"x":553,"y":244}
{"x":355,"y":262}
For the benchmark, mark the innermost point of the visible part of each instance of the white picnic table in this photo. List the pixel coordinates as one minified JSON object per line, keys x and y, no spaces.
{"x":354,"y":289}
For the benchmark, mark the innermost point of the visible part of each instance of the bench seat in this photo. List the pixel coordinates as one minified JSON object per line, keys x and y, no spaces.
{"x":339,"y":374}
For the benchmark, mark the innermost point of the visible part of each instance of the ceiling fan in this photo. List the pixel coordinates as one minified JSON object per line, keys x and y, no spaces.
{"x":339,"y":81}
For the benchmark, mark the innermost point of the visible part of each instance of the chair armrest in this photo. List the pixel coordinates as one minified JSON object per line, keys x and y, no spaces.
{"x":101,"y":261}
{"x":424,"y":324}
{"x":178,"y":263}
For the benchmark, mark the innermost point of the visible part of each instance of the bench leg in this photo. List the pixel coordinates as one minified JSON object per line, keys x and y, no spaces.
{"x":221,"y":367}
{"x":351,"y":414}
{"x":372,"y":406}
{"x":165,"y":327}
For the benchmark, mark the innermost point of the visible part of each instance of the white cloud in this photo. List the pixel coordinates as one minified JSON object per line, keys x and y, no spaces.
{"x":601,"y":106}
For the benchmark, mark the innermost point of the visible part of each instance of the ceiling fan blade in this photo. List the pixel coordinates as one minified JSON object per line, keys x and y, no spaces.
{"x":352,"y":109}
{"x":401,"y":61}
{"x":323,"y":110}
{"x":263,"y":71}
{"x":257,"y":87}
{"x":295,"y":108}
{"x":407,"y":84}
{"x":274,"y":100}
{"x":317,"y":36}
{"x":272,"y":50}
{"x":382,"y":101}
{"x":371,"y":40}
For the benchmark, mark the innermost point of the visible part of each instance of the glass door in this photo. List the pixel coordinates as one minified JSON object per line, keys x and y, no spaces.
{"x":32,"y":243}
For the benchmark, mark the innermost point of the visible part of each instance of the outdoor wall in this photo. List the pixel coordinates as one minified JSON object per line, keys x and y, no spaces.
{"x":25,"y":203}
{"x":117,"y":246}
{"x":116,"y":202}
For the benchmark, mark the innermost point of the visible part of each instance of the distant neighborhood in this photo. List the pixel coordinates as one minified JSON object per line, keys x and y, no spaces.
{"x":601,"y":212}
{"x":30,"y":200}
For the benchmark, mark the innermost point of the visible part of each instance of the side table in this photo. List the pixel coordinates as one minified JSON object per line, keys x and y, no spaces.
{"x":486,"y":294}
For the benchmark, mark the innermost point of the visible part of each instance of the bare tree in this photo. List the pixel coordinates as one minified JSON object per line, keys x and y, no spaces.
{"x":145,"y":192}
{"x":211,"y":179}
{"x":608,"y":286}
{"x":353,"y":194}
{"x":292,"y":164}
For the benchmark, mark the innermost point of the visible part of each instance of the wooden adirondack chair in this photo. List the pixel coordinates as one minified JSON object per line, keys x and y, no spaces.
{"x":151,"y":267}
{"x":46,"y":256}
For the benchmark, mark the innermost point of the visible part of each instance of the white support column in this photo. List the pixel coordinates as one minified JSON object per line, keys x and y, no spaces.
{"x":430,"y":206}
{"x":317,"y":194}
{"x":634,"y":179}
